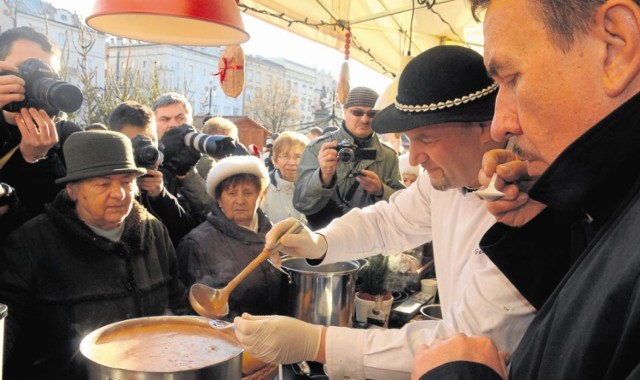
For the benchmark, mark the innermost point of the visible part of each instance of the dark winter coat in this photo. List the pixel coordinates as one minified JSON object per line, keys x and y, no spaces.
{"x":218,"y":249}
{"x":34,"y":183}
{"x":61,"y":281}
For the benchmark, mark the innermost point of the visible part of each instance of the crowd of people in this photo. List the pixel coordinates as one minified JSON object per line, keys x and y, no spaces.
{"x":126,"y":215}
{"x":537,"y":284}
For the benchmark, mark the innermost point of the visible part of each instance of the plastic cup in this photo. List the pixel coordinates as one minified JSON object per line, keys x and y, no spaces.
{"x":429,"y":286}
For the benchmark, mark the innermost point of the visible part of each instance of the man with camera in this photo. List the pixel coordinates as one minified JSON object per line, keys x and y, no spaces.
{"x":348,"y":168}
{"x":31,"y":134}
{"x":138,"y":122}
{"x":173,"y":110}
{"x":182,"y":147}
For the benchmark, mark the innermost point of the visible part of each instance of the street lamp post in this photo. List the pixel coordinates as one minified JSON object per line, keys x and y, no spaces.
{"x":212,"y":92}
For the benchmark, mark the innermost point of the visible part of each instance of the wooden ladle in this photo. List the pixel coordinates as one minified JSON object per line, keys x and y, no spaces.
{"x":213,"y":303}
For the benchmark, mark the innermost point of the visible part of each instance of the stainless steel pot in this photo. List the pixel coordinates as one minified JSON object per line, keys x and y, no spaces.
{"x":322,"y":295}
{"x":167,"y":347}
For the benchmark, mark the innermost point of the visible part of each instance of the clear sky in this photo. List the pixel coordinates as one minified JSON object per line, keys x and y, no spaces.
{"x":270,"y":41}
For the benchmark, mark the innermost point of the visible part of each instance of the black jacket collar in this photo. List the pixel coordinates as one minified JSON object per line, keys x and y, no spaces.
{"x":597,"y":170}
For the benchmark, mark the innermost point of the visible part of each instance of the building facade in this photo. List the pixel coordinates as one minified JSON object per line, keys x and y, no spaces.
{"x":185,"y":69}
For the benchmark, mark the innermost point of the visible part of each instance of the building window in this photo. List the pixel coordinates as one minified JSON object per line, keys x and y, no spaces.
{"x":258,"y":77}
{"x":250,"y":75}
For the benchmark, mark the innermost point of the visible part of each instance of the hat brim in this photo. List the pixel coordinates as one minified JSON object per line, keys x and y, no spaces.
{"x":93,"y":173}
{"x":390,"y":119}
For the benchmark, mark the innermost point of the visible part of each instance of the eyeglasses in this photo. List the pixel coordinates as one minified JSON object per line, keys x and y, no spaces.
{"x":359,"y":113}
{"x":286,"y":157}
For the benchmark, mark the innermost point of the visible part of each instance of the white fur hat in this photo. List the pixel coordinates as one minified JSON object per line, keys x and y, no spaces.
{"x":232,"y":165}
{"x":406,"y":167}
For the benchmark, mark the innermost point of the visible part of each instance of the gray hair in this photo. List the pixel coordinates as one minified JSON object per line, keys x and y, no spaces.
{"x":172,"y":98}
{"x":564,"y":20}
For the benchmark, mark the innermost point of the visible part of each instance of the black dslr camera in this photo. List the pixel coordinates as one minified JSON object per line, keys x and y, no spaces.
{"x":145,"y":154}
{"x":349,"y":152}
{"x":44,"y":90}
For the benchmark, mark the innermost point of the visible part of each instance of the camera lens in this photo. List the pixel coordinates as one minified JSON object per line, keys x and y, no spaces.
{"x":59,"y":94}
{"x":146,"y":156}
{"x":202,"y":143}
{"x":346,"y":154}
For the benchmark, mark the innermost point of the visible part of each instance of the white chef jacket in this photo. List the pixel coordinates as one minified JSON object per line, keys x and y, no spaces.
{"x":476,"y":298}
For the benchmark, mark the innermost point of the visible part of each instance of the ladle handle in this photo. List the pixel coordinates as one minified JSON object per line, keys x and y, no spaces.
{"x":248,"y":269}
{"x":259,"y":260}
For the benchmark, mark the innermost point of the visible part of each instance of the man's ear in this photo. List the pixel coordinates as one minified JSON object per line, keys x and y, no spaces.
{"x":617,"y":24}
{"x":71,"y":189}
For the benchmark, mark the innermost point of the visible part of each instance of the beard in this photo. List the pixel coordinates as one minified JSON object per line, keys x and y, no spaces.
{"x":441,"y":184}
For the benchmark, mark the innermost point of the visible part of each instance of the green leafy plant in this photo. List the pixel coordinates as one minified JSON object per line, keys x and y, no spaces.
{"x":373,"y":276}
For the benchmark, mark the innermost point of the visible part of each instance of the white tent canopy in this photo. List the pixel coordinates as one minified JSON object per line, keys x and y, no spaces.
{"x":381,"y":32}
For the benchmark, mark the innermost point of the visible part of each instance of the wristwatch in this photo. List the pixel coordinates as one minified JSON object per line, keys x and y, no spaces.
{"x":39,"y":157}
{"x":8,"y":196}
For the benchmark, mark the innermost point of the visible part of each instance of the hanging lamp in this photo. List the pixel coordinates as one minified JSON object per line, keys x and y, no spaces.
{"x":177,"y":22}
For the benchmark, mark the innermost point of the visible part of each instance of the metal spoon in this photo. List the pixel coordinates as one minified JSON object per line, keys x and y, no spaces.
{"x":213,"y":303}
{"x":490,"y":194}
{"x":219,"y":324}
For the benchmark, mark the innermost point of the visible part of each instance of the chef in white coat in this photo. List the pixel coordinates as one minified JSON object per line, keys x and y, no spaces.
{"x":444,"y":105}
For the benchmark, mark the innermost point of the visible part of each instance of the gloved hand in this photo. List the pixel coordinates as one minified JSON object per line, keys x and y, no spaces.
{"x":305,"y":243}
{"x":278,"y":340}
{"x":178,"y":158}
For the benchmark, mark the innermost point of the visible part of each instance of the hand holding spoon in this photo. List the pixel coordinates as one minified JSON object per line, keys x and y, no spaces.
{"x":213,"y":303}
{"x":490,"y":194}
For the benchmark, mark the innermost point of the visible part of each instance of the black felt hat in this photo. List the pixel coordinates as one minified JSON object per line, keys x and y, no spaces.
{"x":441,"y":85}
{"x":91,"y":154}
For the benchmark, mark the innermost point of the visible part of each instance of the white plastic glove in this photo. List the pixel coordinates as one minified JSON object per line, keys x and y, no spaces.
{"x":277,"y":339}
{"x":305,"y":243}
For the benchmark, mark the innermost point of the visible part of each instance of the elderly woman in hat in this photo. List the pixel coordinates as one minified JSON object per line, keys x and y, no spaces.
{"x":232,"y":236}
{"x":94,"y":257}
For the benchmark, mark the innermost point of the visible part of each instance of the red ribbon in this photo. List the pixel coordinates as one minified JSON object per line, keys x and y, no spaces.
{"x":225,"y":66}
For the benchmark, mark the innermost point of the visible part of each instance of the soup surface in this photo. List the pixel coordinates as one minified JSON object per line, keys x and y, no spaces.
{"x":165,"y":347}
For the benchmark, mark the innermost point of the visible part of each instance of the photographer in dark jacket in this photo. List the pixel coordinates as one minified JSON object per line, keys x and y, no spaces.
{"x":137,"y":122}
{"x":174,"y":118}
{"x":173,"y":110}
{"x":30,"y":140}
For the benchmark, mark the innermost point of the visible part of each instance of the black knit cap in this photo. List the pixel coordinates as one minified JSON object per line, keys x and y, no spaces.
{"x":91,"y":154}
{"x":441,"y":85}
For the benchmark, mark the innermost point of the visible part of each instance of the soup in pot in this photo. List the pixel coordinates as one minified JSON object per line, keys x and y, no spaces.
{"x":162,"y":347}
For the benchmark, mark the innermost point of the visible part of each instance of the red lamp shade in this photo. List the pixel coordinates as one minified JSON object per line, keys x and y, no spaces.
{"x":178,"y":22}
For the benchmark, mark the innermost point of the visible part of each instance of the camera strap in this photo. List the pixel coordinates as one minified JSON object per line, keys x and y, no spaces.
{"x":350,"y":192}
{"x":7,"y":156}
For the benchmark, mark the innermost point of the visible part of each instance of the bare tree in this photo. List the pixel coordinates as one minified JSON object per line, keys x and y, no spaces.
{"x":90,"y":110}
{"x":276,"y":108}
